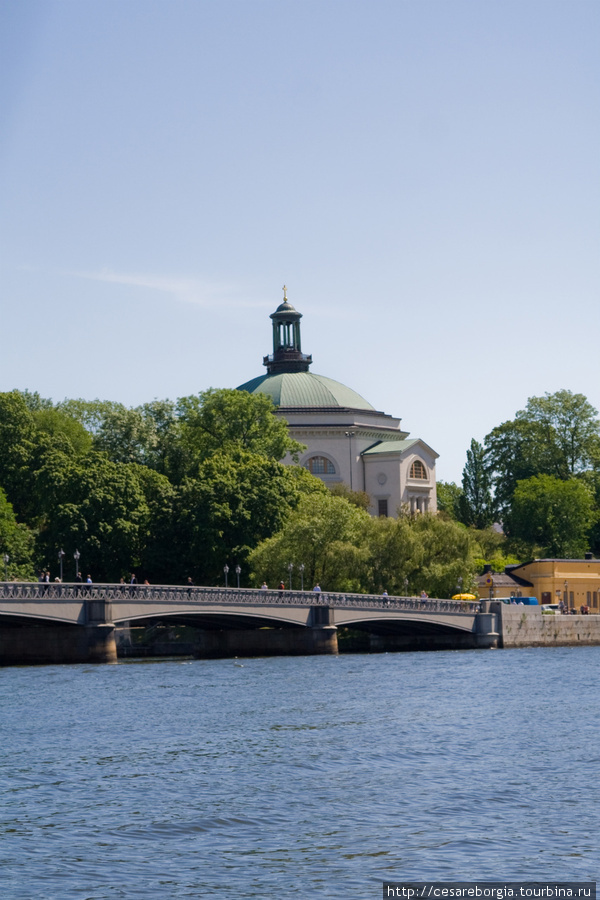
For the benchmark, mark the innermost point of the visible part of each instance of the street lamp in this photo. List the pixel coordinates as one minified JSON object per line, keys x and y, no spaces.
{"x":226,"y":570}
{"x":406,"y":587}
{"x":301,"y":570}
{"x":290,"y":567}
{"x":238,"y":572}
{"x":350,"y":435}
{"x":459,"y":582}
{"x":567,"y":594}
{"x":76,"y":557}
{"x":6,"y":559}
{"x":61,"y":556}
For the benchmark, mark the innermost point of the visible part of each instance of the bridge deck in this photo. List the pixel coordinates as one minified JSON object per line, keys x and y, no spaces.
{"x":79,"y":604}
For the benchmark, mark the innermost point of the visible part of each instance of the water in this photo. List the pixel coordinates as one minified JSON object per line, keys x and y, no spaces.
{"x":298,"y":777}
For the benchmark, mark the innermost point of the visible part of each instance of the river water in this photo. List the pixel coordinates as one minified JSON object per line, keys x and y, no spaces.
{"x":299,"y":777}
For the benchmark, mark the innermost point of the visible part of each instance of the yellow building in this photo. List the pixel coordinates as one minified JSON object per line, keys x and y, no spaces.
{"x":574,"y":581}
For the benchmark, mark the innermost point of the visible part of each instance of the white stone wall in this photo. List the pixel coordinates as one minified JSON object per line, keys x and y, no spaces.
{"x":384,"y":476}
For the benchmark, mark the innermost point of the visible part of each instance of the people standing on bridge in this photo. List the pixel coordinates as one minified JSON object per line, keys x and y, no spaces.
{"x":133,"y":578}
{"x":88,"y":579}
{"x":317,"y":587}
{"x":281,"y":586}
{"x":264,"y":587}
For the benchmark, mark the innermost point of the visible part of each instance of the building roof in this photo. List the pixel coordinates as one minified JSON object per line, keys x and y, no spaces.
{"x":306,"y":390}
{"x":502,"y":580}
{"x":390,"y":447}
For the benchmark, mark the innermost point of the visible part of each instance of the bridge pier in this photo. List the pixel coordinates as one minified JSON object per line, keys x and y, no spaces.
{"x":308,"y":641}
{"x":51,"y":643}
{"x":486,"y":625}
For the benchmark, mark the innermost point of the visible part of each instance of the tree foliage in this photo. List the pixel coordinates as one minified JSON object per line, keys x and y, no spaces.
{"x":170,"y":489}
{"x":323,"y":534}
{"x":551,"y":516}
{"x":217,"y":421}
{"x":16,"y":541}
{"x":475,"y":501}
{"x":448,"y":498}
{"x":344,"y":549}
{"x":557,"y":435}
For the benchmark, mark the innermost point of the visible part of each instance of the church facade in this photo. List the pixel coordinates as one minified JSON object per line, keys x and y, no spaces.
{"x":347,"y":440}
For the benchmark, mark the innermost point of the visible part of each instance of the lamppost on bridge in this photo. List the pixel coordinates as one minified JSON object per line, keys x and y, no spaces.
{"x":226,"y":570}
{"x":61,"y":556}
{"x":6,"y":560}
{"x":567,"y":594}
{"x":76,"y":557}
{"x":301,"y":570}
{"x":406,"y":587}
{"x":238,"y":572}
{"x":290,"y":567}
{"x":459,"y":582}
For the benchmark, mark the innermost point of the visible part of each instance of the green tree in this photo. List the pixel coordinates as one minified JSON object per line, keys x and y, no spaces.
{"x":394,"y":557}
{"x":160,"y":554}
{"x":167,"y":455}
{"x":448,"y":498}
{"x":16,"y":540}
{"x":551,"y":516}
{"x":91,"y":413}
{"x":17,"y":450}
{"x":558,"y":434}
{"x":96,"y":506}
{"x":126,"y":436}
{"x":59,"y":427}
{"x":513,"y":452}
{"x":357,"y":498}
{"x":237,"y":501}
{"x":570,"y":431}
{"x":475,"y":501}
{"x":324,"y":534}
{"x":447,"y":550}
{"x":223,"y":421}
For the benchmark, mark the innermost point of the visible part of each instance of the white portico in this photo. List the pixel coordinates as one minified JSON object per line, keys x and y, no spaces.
{"x":347,"y":439}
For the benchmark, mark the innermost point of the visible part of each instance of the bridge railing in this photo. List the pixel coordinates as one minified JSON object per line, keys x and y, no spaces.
{"x":244,"y":596}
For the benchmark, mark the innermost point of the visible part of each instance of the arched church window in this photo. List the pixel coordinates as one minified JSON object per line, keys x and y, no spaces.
{"x":320,"y":465}
{"x":418,"y":470}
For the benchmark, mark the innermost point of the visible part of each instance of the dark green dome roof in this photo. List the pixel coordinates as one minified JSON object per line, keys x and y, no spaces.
{"x":304,"y":390}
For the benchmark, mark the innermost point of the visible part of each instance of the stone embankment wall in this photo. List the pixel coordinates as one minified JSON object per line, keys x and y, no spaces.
{"x":525,"y":626}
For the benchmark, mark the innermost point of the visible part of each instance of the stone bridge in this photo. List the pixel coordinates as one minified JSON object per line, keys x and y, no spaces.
{"x":73,"y":623}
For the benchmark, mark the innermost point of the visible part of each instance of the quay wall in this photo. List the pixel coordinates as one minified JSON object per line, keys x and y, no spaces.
{"x":525,"y":626}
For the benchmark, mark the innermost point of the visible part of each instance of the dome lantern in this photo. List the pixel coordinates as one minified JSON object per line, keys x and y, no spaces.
{"x":287,"y":348}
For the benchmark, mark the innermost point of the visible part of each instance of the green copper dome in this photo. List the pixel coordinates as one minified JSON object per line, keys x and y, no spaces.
{"x":303,"y":390}
{"x":288,"y":382}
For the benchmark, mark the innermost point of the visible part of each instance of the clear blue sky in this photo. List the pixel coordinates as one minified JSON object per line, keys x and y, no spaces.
{"x":423,"y":175}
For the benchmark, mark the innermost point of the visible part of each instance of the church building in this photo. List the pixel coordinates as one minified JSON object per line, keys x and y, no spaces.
{"x":347,"y":440}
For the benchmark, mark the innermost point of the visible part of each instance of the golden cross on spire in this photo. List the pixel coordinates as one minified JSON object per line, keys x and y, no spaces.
{"x":284,"y":292}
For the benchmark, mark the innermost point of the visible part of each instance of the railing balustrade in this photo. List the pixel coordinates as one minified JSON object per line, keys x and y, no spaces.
{"x":229,"y":596}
